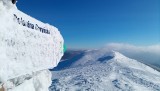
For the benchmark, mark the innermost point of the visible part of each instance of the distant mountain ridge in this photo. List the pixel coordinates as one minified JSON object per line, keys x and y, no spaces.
{"x":71,"y":56}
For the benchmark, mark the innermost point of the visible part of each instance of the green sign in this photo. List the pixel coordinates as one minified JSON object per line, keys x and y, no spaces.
{"x":64,"y":48}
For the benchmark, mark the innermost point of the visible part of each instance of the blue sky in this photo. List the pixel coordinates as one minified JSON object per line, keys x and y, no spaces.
{"x":94,"y":23}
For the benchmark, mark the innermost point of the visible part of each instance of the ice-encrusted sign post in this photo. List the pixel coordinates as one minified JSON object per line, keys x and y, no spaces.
{"x":27,"y":47}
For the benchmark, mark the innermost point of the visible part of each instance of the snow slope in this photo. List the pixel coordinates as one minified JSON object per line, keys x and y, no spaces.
{"x":104,"y":70}
{"x":27,"y":47}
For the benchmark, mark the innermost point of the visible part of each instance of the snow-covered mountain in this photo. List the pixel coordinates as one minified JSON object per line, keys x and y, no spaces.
{"x":104,"y":70}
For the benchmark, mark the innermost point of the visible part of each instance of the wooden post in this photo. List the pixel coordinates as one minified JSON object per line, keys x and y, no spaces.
{"x":14,"y":1}
{"x":2,"y":89}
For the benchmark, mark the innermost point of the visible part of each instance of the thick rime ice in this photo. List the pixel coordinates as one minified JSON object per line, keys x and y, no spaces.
{"x":28,"y":48}
{"x":38,"y":81}
{"x":103,"y":70}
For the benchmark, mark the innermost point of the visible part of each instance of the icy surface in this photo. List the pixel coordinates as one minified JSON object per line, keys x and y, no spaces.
{"x":103,"y":70}
{"x":25,"y":51}
{"x":39,"y":81}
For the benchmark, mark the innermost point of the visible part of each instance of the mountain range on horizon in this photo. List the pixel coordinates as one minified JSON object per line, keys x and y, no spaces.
{"x":72,"y":55}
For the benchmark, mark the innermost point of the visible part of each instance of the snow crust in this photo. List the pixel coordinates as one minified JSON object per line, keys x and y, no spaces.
{"x":39,"y":81}
{"x":104,"y":70}
{"x":25,"y":51}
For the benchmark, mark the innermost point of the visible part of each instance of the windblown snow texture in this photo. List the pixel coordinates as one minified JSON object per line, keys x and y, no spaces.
{"x":28,"y":48}
{"x":104,"y":70}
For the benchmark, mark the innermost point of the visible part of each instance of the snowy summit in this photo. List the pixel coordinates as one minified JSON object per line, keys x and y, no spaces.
{"x":103,"y":70}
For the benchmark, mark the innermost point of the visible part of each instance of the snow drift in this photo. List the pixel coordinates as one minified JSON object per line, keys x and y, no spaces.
{"x":28,"y":48}
{"x":104,"y":70}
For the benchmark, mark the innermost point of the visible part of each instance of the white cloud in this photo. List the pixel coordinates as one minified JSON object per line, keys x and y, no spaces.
{"x":146,"y":54}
